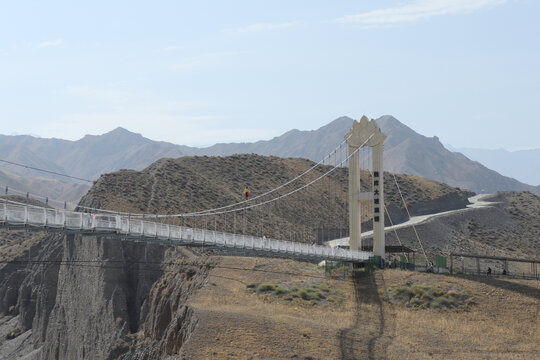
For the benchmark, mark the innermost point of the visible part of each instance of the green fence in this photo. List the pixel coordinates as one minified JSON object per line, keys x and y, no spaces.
{"x":440,"y":261}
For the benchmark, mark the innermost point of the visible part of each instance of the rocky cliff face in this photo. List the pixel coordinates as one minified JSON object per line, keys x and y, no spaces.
{"x":85,"y":297}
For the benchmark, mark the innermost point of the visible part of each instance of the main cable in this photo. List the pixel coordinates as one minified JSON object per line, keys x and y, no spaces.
{"x":212,"y":211}
{"x":46,"y":171}
{"x":264,"y":202}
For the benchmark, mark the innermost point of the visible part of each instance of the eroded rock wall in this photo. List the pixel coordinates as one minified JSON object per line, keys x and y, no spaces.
{"x":88,"y":297}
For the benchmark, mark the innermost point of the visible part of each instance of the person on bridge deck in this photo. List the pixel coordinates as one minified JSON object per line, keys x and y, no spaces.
{"x":489,"y":271}
{"x":246,"y":193}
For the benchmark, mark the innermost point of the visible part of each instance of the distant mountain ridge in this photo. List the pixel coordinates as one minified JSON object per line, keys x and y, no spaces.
{"x":509,"y":163}
{"x":405,"y":152}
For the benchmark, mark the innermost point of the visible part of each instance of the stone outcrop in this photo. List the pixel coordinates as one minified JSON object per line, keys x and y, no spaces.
{"x":87,"y":297}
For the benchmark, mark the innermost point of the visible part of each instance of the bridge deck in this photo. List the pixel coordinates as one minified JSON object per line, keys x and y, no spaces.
{"x":21,"y":216}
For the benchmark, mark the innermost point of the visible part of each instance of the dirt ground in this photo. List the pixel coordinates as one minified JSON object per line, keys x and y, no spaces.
{"x":237,"y":323}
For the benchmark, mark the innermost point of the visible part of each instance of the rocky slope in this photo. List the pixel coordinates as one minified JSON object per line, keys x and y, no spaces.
{"x":511,"y":163}
{"x":53,"y":188}
{"x":510,"y":228}
{"x":190,"y":184}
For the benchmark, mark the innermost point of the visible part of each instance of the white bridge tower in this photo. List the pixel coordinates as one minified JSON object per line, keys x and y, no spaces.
{"x":366,"y":133}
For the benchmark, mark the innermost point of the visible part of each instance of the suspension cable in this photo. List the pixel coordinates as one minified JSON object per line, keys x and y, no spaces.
{"x":281,"y":196}
{"x":46,"y":171}
{"x":270,"y":191}
{"x":198,"y":213}
{"x":409,"y":214}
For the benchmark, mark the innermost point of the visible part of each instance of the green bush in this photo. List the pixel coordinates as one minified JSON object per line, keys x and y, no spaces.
{"x":304,"y":294}
{"x":324,"y":287}
{"x":280,"y":290}
{"x":441,"y":302}
{"x":402,"y":294}
{"x":420,"y":296}
{"x":418,"y":303}
{"x":310,"y":292}
{"x":266,"y":287}
{"x":435,"y":291}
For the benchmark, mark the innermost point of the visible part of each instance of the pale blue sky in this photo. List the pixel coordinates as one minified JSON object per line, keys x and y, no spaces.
{"x":200,"y":72}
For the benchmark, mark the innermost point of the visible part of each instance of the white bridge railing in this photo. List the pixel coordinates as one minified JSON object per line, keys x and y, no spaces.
{"x":17,"y":215}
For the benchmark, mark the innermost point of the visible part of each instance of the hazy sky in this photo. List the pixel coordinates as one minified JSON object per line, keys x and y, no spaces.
{"x":200,"y":72}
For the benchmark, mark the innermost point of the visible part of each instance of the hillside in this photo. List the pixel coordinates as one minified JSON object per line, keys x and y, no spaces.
{"x":53,"y":188}
{"x":519,"y":164}
{"x":411,"y":153}
{"x":189,"y":184}
{"x":88,"y":157}
{"x":510,"y":228}
{"x":405,"y":152}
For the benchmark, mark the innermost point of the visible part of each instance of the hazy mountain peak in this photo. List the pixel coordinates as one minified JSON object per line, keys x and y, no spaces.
{"x":120,"y":131}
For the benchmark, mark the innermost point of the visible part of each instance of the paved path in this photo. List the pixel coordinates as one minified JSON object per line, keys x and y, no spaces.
{"x":476,"y":202}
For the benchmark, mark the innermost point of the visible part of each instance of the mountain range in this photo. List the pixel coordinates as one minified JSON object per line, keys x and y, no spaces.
{"x":511,"y":163}
{"x":406,"y":152}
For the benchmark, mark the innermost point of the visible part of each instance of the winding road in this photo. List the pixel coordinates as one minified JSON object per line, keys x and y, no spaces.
{"x":476,"y":202}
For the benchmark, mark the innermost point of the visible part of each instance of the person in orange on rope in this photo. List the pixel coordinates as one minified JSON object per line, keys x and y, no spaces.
{"x":246,"y":193}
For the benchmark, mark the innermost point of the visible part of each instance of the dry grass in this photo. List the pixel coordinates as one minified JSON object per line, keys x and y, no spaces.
{"x":235,"y":322}
{"x":504,"y":323}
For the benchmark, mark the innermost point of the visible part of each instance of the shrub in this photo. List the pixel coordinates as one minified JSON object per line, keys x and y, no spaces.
{"x":402,"y":294}
{"x":190,"y":273}
{"x":435,"y":291}
{"x":420,"y":296}
{"x":318,"y":294}
{"x":417,"y":303}
{"x":324,"y":287}
{"x":304,"y":294}
{"x":13,"y":333}
{"x":441,"y":302}
{"x":280,"y":290}
{"x":266,"y":287}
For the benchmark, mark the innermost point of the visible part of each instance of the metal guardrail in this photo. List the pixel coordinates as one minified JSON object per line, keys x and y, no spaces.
{"x":16,"y":215}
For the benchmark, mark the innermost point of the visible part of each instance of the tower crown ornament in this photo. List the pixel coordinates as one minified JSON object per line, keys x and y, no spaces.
{"x":362,"y":130}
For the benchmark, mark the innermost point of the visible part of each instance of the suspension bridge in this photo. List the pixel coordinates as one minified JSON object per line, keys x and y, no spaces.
{"x":88,"y":221}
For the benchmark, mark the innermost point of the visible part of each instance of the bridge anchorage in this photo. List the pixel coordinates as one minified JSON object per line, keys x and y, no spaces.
{"x":366,"y":133}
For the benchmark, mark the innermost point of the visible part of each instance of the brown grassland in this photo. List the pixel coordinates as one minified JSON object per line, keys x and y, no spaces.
{"x":502,"y":321}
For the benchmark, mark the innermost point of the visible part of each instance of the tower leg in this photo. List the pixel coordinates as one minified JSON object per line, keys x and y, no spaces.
{"x":355,"y":221}
{"x":378,"y":202}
